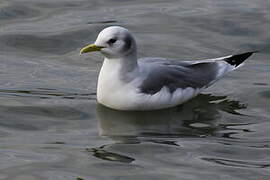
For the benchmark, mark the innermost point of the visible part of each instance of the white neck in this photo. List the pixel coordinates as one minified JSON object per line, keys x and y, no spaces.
{"x":123,"y":67}
{"x":114,"y":74}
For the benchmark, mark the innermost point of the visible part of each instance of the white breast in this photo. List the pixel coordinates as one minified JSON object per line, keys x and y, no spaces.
{"x":112,"y":91}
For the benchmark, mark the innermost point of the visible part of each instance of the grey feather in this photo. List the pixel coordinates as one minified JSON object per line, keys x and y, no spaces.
{"x":177,"y":74}
{"x":182,"y":74}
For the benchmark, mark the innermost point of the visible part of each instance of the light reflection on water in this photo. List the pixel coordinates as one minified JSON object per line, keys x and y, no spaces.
{"x":52,"y":128}
{"x":198,"y":117}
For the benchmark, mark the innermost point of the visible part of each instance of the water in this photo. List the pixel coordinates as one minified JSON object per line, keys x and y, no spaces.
{"x":52,"y":128}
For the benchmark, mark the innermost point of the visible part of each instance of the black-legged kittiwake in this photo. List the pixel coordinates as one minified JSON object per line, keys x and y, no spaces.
{"x":128,"y":83}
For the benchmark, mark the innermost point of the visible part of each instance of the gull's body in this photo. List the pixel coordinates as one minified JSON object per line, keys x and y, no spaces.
{"x":126,"y":83}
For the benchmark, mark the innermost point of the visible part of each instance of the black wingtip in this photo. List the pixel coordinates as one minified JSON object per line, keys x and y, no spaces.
{"x":238,"y":59}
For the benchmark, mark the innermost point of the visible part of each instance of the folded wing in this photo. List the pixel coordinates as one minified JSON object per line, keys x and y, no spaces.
{"x":184,"y":74}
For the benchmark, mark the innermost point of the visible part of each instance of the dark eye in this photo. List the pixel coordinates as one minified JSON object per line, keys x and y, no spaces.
{"x":111,"y":41}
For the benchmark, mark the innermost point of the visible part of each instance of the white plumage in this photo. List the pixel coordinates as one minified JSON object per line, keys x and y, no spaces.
{"x":126,"y":83}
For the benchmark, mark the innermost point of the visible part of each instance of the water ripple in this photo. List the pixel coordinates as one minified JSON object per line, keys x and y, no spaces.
{"x":237,"y":163}
{"x":17,"y":12}
{"x":46,"y":94}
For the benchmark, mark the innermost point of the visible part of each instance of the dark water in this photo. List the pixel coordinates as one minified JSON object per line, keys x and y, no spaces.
{"x":50,"y":124}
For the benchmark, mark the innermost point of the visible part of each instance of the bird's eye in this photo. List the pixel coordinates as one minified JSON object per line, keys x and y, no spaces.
{"x":111,"y":41}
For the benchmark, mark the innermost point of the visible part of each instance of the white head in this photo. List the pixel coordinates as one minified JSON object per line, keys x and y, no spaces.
{"x":114,"y":42}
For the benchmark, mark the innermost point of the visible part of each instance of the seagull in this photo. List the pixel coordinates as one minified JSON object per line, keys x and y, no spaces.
{"x":128,"y":83}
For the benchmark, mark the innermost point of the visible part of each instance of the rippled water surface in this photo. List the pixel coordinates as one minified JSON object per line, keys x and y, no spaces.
{"x":52,"y":128}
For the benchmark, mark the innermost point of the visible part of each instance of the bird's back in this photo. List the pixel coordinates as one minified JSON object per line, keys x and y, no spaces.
{"x":175,"y":74}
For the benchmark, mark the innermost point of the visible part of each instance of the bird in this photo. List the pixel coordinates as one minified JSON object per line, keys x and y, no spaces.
{"x":130,"y":84}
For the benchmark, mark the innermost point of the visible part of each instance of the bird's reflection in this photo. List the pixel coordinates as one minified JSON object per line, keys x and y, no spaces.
{"x":196,"y":118}
{"x":101,"y":153}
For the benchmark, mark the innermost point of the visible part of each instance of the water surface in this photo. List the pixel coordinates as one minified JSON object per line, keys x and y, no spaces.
{"x":52,"y":128}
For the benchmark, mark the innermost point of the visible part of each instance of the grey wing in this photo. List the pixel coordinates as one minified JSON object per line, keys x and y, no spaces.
{"x":182,"y":74}
{"x":174,"y":76}
{"x":165,"y":61}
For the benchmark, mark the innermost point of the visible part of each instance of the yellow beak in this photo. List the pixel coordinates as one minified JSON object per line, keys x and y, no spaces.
{"x":90,"y":48}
